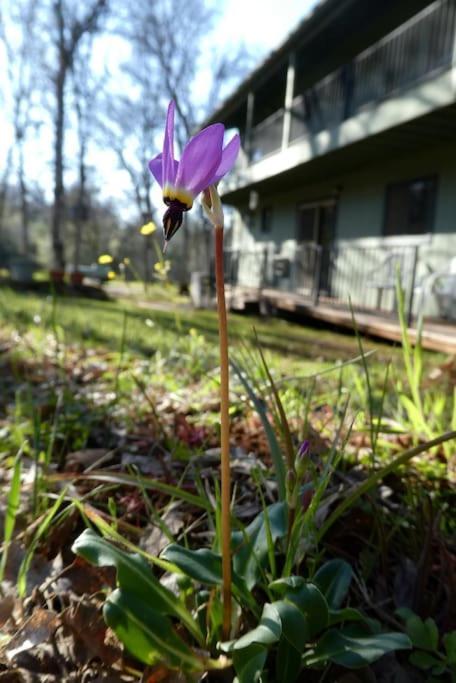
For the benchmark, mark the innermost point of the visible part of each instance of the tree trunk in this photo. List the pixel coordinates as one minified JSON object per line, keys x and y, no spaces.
{"x":81,"y":216}
{"x":4,"y":186}
{"x":24,"y":202}
{"x":59,"y":196}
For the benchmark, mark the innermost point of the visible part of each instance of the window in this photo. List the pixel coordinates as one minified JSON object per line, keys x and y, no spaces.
{"x":307,"y":224}
{"x":266,"y":219}
{"x":409,"y":208}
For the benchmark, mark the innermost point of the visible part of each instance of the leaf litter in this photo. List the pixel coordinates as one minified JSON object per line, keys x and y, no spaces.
{"x":56,"y":632}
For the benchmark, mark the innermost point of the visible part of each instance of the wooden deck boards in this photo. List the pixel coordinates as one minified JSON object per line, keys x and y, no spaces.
{"x":438,"y":335}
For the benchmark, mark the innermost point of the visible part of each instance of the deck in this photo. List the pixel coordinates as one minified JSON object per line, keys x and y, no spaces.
{"x":438,"y":335}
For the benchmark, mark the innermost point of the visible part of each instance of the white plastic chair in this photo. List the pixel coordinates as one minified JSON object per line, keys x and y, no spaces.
{"x":443,"y":286}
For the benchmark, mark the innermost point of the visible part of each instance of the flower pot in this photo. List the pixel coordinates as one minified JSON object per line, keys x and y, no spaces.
{"x":76,"y":278}
{"x":57,"y":276}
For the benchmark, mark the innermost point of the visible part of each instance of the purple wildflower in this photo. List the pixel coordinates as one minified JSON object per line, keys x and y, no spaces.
{"x":304,"y":449}
{"x":203,"y":163}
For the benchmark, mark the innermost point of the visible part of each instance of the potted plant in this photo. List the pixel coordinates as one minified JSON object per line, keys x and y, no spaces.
{"x":57,"y":276}
{"x":76,"y":278}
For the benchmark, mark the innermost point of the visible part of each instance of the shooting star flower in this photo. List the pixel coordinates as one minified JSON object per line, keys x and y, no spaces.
{"x":203,"y":163}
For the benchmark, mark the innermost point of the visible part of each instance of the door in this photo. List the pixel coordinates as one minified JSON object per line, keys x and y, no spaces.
{"x":315,"y":234}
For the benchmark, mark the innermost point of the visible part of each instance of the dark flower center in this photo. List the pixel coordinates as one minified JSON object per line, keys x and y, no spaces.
{"x":172,"y":219}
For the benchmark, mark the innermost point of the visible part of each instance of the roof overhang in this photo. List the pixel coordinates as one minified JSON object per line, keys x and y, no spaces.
{"x":330,"y":22}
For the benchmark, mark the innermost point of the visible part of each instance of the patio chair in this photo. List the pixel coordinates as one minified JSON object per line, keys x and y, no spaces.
{"x":384,"y":275}
{"x":443,"y":286}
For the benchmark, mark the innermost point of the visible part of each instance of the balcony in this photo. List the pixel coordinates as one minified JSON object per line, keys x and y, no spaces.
{"x":416,"y":52}
{"x":267,"y":136}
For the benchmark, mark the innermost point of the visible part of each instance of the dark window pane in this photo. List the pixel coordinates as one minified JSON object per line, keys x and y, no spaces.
{"x":410,"y":207}
{"x":266,"y":219}
{"x":307,"y":224}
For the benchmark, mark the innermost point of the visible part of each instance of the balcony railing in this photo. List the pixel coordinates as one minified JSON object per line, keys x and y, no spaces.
{"x":266,"y":138}
{"x":364,"y":275}
{"x":421,"y":47}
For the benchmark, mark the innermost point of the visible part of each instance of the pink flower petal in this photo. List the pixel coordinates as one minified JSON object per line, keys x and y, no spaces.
{"x":200,"y":160}
{"x":229,"y":155}
{"x":168,"y":172}
{"x":156,"y":168}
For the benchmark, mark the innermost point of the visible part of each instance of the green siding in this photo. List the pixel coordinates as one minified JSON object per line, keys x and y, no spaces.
{"x":361,"y":202}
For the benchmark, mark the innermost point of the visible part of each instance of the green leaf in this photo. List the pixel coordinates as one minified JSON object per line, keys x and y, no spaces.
{"x":449,"y":640}
{"x":333,"y":579}
{"x":404,"y":613}
{"x":266,"y":633}
{"x":205,"y":566}
{"x":423,"y":660}
{"x":147,"y":633}
{"x":439,"y":669}
{"x":202,"y":565}
{"x":433,"y":633}
{"x":249,"y":663}
{"x":337,"y":616}
{"x":423,"y":634}
{"x":134,"y":576}
{"x":308,"y":599}
{"x":295,"y":627}
{"x":286,"y":583}
{"x":250,"y":548}
{"x":288,"y":662}
{"x":353,"y":653}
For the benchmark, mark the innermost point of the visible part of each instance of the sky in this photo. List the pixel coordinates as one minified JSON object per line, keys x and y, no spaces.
{"x":261,"y":25}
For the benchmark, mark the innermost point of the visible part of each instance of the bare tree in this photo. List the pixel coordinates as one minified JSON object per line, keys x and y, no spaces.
{"x":4,"y":180}
{"x":86,"y":90}
{"x":71,"y":24}
{"x":175,"y":55}
{"x":164,"y":65}
{"x":21,"y":59}
{"x":128,"y":128}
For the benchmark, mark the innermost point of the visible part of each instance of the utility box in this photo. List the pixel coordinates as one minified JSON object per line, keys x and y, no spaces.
{"x":200,"y":289}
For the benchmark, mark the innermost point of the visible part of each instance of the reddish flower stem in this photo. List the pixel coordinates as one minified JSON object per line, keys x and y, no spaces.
{"x":225,"y":433}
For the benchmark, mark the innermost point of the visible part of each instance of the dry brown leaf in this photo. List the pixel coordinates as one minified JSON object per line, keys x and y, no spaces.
{"x":6,"y":608}
{"x":36,"y":630}
{"x":84,"y":578}
{"x":80,"y":460}
{"x":85,"y":621}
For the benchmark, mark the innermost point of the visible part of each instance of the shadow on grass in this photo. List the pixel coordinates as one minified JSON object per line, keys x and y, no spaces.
{"x":99,"y":321}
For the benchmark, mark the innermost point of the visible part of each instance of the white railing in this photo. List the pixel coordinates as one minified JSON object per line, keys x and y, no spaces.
{"x":419,"y":48}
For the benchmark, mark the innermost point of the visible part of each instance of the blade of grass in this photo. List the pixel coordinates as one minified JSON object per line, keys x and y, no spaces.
{"x":412,"y":372}
{"x":131,"y":480}
{"x":12,"y":506}
{"x":123,"y":340}
{"x":44,"y":526}
{"x":276,"y":452}
{"x":285,"y":428}
{"x":370,"y":398}
{"x":306,"y":519}
{"x":379,"y":475}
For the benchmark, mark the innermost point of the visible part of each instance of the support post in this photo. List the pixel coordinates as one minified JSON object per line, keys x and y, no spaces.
{"x":249,"y":125}
{"x":317,"y":274}
{"x":289,"y":93}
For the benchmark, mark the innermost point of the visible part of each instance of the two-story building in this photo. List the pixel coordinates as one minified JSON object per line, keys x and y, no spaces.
{"x":347,"y":174}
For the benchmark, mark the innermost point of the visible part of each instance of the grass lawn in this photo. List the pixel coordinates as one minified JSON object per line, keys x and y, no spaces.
{"x":93,"y":322}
